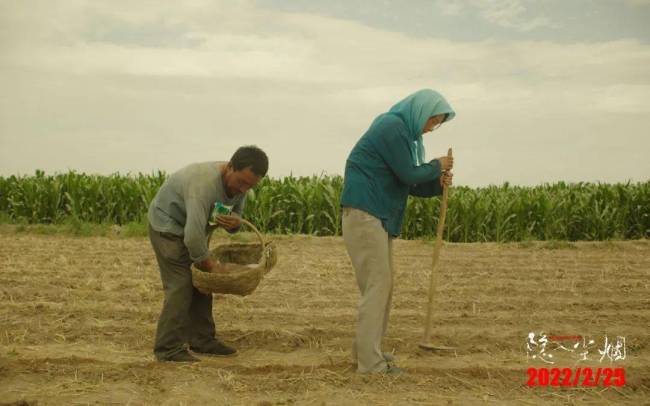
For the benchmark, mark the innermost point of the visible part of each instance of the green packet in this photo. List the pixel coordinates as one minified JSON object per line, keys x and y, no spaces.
{"x":219,"y":210}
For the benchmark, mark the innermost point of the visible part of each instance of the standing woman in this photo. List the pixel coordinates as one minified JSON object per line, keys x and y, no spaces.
{"x":384,"y":167}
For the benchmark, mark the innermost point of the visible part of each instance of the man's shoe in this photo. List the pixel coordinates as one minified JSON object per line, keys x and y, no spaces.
{"x":182,"y":356}
{"x":215,"y":349}
{"x":394,"y":371}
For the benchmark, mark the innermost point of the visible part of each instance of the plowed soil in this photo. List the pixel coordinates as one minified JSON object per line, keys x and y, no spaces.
{"x":78,"y":315}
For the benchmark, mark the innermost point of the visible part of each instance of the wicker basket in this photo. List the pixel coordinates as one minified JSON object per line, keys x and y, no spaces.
{"x":245,"y":263}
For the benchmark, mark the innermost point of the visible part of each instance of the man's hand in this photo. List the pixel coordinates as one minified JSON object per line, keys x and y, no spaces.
{"x":446,"y":179}
{"x":211,"y":265}
{"x":229,"y":222}
{"x":206,"y":265}
{"x":446,"y":162}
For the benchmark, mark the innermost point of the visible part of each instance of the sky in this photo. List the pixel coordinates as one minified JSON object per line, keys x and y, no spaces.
{"x":544,"y":91}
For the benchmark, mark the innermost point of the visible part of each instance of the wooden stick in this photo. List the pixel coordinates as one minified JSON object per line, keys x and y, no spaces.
{"x":436,"y":255}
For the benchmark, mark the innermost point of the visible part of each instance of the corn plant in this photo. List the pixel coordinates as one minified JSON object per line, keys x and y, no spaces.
{"x":310,"y":205}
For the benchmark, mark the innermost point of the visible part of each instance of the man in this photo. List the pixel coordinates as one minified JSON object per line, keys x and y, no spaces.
{"x":178,"y":216}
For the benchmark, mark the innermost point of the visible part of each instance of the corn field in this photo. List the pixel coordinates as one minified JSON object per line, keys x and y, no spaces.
{"x":310,"y":205}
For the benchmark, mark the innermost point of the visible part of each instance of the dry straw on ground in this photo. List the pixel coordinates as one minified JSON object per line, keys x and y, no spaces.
{"x":78,"y":316}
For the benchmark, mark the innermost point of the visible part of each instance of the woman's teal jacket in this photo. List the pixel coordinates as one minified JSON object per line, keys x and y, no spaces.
{"x":381,"y":172}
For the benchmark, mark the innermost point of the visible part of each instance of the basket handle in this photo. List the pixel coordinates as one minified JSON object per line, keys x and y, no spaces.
{"x":213,"y":227}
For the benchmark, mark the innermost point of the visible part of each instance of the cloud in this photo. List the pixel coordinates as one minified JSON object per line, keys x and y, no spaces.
{"x":451,"y":7}
{"x":350,"y":59}
{"x":511,"y":14}
{"x":299,"y":48}
{"x":158,"y":75}
{"x":637,"y":3}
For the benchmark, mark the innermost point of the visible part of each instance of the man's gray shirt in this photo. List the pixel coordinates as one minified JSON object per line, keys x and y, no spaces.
{"x":184,"y":202}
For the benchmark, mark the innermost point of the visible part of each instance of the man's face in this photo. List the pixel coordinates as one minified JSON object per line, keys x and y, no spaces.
{"x":238,"y":182}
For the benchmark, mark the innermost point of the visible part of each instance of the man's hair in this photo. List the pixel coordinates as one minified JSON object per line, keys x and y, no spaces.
{"x":252,"y":157}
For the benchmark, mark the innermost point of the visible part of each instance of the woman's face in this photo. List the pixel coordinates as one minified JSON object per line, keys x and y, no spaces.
{"x":433,"y":123}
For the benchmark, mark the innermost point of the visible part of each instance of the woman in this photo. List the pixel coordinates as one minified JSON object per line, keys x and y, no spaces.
{"x":384,"y":167}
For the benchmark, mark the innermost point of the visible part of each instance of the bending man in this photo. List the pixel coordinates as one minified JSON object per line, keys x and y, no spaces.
{"x":178,"y":216}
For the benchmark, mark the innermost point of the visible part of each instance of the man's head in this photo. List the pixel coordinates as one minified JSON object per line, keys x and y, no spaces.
{"x":247,"y":166}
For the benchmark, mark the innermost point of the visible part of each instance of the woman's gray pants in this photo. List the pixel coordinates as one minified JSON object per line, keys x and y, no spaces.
{"x":370,"y":250}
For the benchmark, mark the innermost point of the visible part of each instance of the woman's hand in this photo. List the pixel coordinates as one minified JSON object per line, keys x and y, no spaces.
{"x":446,"y":179}
{"x":446,"y":162}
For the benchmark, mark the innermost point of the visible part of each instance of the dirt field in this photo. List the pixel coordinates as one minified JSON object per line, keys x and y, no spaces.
{"x":77,"y":320}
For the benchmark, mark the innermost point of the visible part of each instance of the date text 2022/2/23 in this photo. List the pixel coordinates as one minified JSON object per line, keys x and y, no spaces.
{"x":576,"y":377}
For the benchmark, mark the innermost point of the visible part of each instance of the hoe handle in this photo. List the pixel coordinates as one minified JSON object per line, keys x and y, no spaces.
{"x":436,"y":255}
